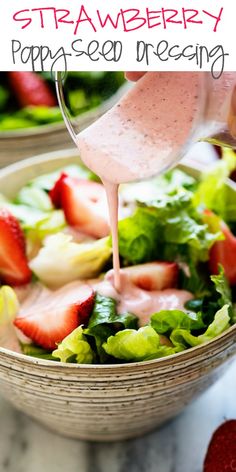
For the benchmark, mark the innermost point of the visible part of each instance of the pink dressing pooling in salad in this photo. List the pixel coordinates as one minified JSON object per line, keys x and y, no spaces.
{"x":131,"y":298}
{"x":142,"y":303}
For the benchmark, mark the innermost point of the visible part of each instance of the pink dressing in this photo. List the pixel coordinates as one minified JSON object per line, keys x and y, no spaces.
{"x":141,"y":303}
{"x":113,"y":205}
{"x":9,"y":338}
{"x":144,"y":133}
{"x":133,"y":299}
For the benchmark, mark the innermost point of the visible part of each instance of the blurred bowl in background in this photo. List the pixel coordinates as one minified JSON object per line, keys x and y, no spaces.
{"x":26,"y":130}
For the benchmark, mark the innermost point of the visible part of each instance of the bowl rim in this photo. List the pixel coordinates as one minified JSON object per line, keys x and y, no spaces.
{"x":192,"y":353}
{"x":173,"y":358}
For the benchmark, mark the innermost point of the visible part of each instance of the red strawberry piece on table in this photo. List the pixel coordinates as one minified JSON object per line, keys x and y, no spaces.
{"x":154,"y":275}
{"x":221,"y":453}
{"x":14,"y":269}
{"x":50,"y":321}
{"x":84,"y":204}
{"x":224,"y":253}
{"x":31,"y":89}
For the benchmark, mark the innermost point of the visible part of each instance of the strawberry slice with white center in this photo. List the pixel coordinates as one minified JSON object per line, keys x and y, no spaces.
{"x":56,"y":315}
{"x":84,"y":204}
{"x":14,"y":269}
{"x":153,"y":275}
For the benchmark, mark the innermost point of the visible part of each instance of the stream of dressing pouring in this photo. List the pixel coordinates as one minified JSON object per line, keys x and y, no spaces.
{"x":141,"y":136}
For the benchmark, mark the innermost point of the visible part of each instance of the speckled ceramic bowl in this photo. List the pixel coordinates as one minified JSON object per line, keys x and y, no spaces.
{"x":110,"y":402}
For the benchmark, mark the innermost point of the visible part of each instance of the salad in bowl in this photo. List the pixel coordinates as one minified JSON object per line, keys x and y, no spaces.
{"x":177,"y":247}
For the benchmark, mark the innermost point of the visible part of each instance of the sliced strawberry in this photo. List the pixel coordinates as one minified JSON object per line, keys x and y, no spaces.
{"x":57,"y":315}
{"x":85,"y":206}
{"x":31,"y":89}
{"x":224,"y":253}
{"x":14,"y":269}
{"x":154,"y":275}
{"x":56,"y":192}
{"x":221,"y":453}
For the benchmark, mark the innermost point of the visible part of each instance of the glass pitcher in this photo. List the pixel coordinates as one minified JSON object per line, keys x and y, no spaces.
{"x":153,"y":125}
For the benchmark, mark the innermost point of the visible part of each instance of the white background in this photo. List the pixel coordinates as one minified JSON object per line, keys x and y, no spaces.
{"x":64,"y":35}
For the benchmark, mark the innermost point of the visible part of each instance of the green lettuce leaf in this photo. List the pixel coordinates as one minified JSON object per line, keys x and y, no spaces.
{"x":36,"y":223}
{"x":213,"y":193}
{"x":165,"y":227}
{"x":104,"y":311}
{"x":149,"y":190}
{"x":74,"y":348}
{"x":27,"y":216}
{"x":4,"y":97}
{"x":52,"y":223}
{"x":220,"y":323}
{"x":215,"y":297}
{"x":182,"y":225}
{"x":166,"y":320}
{"x":47,"y":181}
{"x":61,"y":260}
{"x":40,"y":114}
{"x":9,"y":305}
{"x":175,"y":179}
{"x":105,"y":321}
{"x":132,"y":345}
{"x":197,"y":281}
{"x":223,"y":289}
{"x":8,"y":122}
{"x":164,"y":351}
{"x":34,"y":197}
{"x":138,"y":236}
{"x":36,"y":351}
{"x":183,"y":338}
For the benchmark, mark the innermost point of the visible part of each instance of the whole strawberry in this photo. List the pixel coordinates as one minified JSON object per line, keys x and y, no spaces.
{"x":221,"y":453}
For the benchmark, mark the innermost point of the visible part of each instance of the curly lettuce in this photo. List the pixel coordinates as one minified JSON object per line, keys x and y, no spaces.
{"x":132,"y":345}
{"x":166,"y":320}
{"x":74,"y":348}
{"x":61,"y":260}
{"x":184,"y":338}
{"x":9,"y":307}
{"x":213,"y":192}
{"x":105,"y":321}
{"x":164,"y":228}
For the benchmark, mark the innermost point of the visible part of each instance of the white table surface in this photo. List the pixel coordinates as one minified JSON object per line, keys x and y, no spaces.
{"x":179,"y":446}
